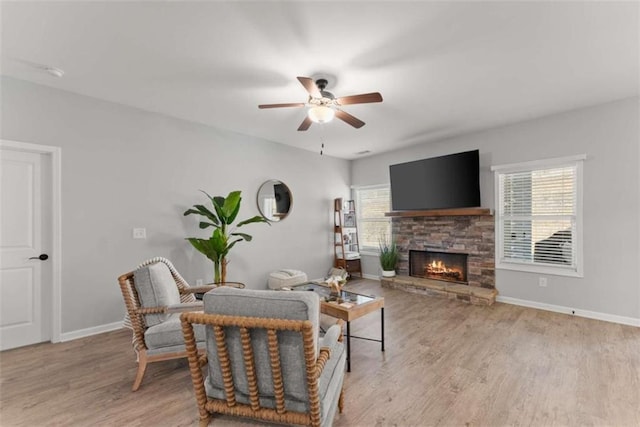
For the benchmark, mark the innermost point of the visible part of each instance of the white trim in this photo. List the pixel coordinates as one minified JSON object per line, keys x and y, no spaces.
{"x":370,"y":253}
{"x":87,"y":332}
{"x":623,"y":320}
{"x":56,"y":226}
{"x":371,"y":276}
{"x":539,"y":268}
{"x":369,"y":186}
{"x":539,"y":163}
{"x":580,"y":216}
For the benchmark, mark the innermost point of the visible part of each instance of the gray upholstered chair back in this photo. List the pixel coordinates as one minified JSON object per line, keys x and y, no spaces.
{"x":264,"y":359}
{"x":156,"y":287}
{"x":155,"y":294}
{"x":264,"y":304}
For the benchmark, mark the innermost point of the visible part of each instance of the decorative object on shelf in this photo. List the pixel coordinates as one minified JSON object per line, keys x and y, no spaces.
{"x":388,"y":258}
{"x":224,"y":236}
{"x":274,"y":200}
{"x":349,"y":219}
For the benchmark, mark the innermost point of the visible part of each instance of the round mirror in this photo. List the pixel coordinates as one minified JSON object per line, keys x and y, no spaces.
{"x":274,"y":200}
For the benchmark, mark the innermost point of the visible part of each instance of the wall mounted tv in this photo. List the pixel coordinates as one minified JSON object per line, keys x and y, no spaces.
{"x":445,"y":182}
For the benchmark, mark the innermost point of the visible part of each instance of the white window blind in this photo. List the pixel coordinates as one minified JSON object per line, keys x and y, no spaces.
{"x":371,"y":204}
{"x":538,"y":217}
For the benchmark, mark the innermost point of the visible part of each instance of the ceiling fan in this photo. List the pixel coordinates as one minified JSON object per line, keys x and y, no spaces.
{"x":324,"y":106}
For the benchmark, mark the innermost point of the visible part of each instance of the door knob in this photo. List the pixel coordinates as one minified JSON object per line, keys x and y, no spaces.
{"x":41,"y":257}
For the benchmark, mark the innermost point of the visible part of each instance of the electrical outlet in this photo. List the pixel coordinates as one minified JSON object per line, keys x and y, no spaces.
{"x":199,"y":282}
{"x":139,"y":233}
{"x":542,"y":282}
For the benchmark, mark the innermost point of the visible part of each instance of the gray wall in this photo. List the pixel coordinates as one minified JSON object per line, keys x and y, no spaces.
{"x":124,"y":168}
{"x":609,"y":135}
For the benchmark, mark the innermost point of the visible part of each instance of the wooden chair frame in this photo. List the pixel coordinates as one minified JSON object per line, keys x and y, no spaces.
{"x":207,"y":406}
{"x":136,"y":314}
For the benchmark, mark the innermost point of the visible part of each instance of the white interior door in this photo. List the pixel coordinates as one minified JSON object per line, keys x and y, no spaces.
{"x":25,"y":280}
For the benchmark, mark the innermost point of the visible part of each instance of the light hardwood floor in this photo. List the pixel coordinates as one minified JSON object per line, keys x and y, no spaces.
{"x":446,"y":363}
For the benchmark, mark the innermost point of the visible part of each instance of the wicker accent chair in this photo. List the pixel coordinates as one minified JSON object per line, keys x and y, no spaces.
{"x":264,"y":358}
{"x":155,"y":294}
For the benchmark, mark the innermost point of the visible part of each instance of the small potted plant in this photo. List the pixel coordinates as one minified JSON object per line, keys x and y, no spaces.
{"x":388,"y":258}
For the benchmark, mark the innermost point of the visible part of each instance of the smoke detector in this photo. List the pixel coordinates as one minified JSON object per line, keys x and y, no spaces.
{"x":55,"y":72}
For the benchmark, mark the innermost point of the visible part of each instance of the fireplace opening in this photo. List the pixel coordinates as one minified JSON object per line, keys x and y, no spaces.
{"x":451,"y":267}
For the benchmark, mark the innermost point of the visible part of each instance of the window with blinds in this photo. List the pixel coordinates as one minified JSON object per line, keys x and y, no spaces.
{"x":371,"y":204}
{"x":538,"y":216}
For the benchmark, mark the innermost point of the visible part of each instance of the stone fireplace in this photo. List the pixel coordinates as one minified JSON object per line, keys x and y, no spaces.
{"x":446,"y":253}
{"x":469,"y":234}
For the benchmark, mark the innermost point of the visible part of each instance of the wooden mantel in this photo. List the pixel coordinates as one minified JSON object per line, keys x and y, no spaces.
{"x":442,"y":212}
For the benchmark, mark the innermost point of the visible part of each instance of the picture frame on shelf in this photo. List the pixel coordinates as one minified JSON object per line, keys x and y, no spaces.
{"x":349,"y":220}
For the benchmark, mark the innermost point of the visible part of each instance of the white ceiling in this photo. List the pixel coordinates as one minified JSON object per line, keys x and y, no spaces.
{"x":443,"y":68}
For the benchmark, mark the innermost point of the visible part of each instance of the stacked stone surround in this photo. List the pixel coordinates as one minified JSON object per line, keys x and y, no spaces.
{"x":470,"y":234}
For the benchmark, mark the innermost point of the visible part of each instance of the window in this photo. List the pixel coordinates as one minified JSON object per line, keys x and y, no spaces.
{"x":371,"y":204}
{"x":539,"y":216}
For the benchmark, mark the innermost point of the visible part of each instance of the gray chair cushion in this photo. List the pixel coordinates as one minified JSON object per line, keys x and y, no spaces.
{"x":329,"y":388}
{"x":330,"y":383}
{"x":169,"y":333}
{"x":295,"y":305}
{"x":156,"y":288}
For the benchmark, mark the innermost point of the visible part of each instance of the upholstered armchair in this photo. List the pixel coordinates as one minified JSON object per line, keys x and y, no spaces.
{"x":155,"y":294}
{"x":264,"y":358}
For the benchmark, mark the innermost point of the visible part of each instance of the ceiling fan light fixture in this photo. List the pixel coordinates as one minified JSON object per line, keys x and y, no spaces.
{"x":321,"y":114}
{"x":323,"y":106}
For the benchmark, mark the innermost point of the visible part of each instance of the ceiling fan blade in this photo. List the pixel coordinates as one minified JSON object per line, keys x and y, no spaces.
{"x":305,"y":124}
{"x":310,"y":86}
{"x":365,"y":98}
{"x":348,"y":118}
{"x":291,"y":104}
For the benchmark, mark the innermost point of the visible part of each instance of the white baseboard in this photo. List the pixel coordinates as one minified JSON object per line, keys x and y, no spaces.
{"x":631,"y":321}
{"x":81,"y":333}
{"x":371,"y":276}
{"x":74,"y":335}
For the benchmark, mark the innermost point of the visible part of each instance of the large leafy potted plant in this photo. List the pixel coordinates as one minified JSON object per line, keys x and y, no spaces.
{"x":388,"y":258}
{"x":224,"y":236}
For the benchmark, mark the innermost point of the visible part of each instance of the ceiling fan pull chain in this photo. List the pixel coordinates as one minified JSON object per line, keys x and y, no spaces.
{"x":321,"y":140}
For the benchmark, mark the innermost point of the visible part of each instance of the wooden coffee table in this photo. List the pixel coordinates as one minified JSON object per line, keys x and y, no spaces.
{"x":351,"y":306}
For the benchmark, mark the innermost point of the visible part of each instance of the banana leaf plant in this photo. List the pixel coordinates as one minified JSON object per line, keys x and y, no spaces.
{"x":224,"y":236}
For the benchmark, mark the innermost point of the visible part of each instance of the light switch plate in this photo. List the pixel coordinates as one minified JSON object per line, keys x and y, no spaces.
{"x":139,"y":233}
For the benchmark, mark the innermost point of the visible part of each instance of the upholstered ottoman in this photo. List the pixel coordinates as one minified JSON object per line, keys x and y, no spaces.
{"x":286,"y":278}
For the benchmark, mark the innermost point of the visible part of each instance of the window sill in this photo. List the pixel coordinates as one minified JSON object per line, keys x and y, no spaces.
{"x":370,"y":253}
{"x":540,"y":269}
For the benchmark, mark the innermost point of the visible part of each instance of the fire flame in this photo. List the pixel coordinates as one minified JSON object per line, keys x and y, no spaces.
{"x":438,"y":267}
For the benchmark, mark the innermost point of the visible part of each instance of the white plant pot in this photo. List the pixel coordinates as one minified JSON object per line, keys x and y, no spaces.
{"x":389,"y":273}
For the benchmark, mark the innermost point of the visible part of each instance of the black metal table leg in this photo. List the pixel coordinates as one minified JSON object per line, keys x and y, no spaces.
{"x":382,"y":326}
{"x":348,"y":346}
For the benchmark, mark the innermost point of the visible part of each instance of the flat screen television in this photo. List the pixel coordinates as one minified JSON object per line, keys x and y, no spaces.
{"x":445,"y":182}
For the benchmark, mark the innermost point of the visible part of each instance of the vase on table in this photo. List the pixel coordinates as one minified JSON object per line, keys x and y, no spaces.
{"x":335,"y":284}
